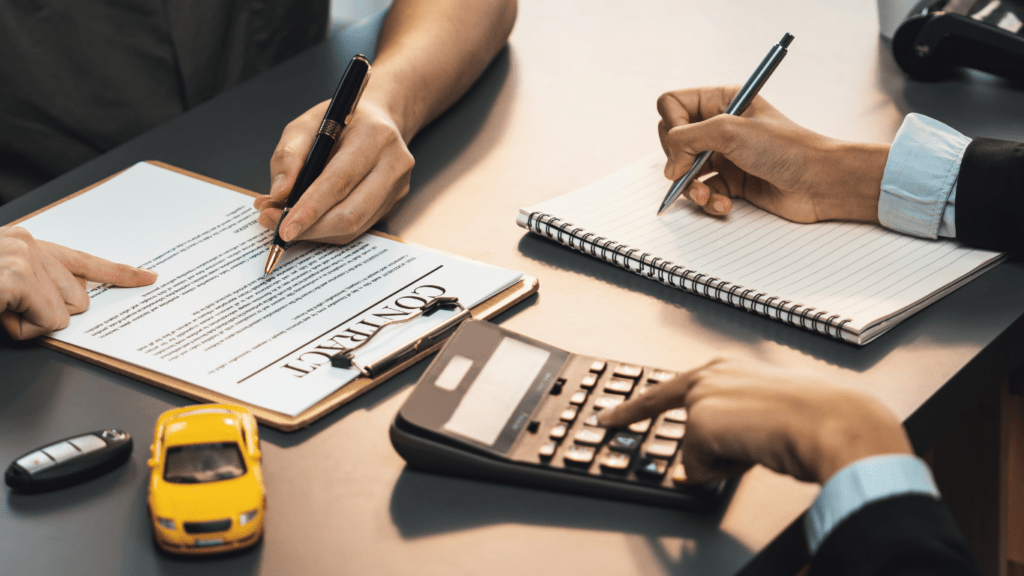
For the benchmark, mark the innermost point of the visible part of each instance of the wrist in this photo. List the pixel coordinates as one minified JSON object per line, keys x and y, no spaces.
{"x":842,"y":442}
{"x":382,"y":93}
{"x":855,"y":183}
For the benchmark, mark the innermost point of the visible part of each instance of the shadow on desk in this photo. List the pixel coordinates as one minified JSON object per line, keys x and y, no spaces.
{"x":679,"y":542}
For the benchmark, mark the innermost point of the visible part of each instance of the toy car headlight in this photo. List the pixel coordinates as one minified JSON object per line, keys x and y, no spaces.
{"x":247,"y":517}
{"x":165,"y":523}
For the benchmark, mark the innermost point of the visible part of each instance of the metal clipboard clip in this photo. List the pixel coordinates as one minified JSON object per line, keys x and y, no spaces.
{"x":346,"y":358}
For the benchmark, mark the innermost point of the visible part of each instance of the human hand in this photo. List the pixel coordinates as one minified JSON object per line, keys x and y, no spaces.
{"x":740,"y":414}
{"x":367,"y":175}
{"x":42,"y":284}
{"x":767,"y":159}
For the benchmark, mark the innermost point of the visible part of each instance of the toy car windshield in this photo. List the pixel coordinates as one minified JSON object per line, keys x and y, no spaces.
{"x":197,"y":463}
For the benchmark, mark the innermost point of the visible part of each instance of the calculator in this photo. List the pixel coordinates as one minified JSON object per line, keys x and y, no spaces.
{"x":499,"y":406}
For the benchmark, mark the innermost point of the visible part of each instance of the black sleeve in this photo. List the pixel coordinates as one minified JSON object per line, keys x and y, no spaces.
{"x":990,"y":196}
{"x":912,"y":535}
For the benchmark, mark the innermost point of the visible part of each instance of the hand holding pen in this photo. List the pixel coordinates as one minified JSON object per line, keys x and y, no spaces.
{"x":737,"y":105}
{"x":338,"y":115}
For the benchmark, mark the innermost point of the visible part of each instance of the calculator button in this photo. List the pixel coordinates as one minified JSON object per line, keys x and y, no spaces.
{"x":625,"y":442}
{"x":661,"y":448}
{"x":533,"y":426}
{"x":547,"y":450}
{"x":640,"y":427}
{"x":609,"y":401}
{"x":588,"y":381}
{"x":629,"y":371}
{"x":614,"y":461}
{"x":569,"y":414}
{"x":579,"y":454}
{"x":652,"y":468}
{"x":559,"y":431}
{"x":590,"y":436}
{"x":556,"y":388}
{"x":671,"y":430}
{"x":597,"y":366}
{"x":619,"y":385}
{"x":593,"y":421}
{"x":677,"y":415}
{"x":661,"y":376}
{"x":679,"y":474}
{"x":578,"y":397}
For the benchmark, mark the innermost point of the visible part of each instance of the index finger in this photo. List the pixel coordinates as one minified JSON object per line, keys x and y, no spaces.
{"x":657,"y":399}
{"x":96,"y":269}
{"x":683,"y":107}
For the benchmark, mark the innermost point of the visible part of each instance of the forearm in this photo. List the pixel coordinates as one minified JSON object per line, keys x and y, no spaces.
{"x":854,"y":180}
{"x":431,"y":51}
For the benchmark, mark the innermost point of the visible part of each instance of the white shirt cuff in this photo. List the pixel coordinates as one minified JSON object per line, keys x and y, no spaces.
{"x":859,"y":484}
{"x":920,"y":174}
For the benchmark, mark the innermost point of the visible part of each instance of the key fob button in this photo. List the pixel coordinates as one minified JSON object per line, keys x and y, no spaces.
{"x":88,"y":443}
{"x":114,"y":435}
{"x":61,"y":451}
{"x":35,"y":462}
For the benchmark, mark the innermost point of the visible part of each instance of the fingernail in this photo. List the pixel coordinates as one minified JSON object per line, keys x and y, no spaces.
{"x":719,"y":205}
{"x":152,"y":273}
{"x":290,"y":232}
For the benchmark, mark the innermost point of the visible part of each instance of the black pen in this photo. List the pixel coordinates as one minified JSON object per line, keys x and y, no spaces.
{"x":736,"y":107}
{"x":339,"y":114}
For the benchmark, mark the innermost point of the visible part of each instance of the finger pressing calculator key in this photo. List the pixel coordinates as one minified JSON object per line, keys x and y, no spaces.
{"x":504,"y":421}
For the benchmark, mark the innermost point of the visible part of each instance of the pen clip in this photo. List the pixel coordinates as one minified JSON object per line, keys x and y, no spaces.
{"x":362,"y":86}
{"x":346,"y":358}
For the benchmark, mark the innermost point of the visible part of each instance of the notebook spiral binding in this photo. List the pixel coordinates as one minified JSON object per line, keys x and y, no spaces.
{"x":685,"y":279}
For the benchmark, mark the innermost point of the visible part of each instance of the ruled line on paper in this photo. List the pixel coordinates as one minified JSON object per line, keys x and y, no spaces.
{"x":858,"y":270}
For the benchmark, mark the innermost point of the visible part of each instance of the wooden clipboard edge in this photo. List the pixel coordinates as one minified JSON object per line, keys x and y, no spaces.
{"x":485,"y":310}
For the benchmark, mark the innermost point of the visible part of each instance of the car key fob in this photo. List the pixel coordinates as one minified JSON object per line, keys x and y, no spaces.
{"x":69,"y":461}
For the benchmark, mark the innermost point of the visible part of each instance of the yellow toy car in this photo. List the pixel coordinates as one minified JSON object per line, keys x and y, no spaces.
{"x":206,"y":490}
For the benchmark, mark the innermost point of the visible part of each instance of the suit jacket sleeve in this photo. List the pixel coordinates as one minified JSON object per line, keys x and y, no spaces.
{"x":911,"y":535}
{"x":990,"y":196}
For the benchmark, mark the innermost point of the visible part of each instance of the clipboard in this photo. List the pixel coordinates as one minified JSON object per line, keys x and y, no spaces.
{"x":286,"y":423}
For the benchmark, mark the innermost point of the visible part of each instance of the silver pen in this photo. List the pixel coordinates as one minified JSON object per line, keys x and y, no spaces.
{"x":736,"y":107}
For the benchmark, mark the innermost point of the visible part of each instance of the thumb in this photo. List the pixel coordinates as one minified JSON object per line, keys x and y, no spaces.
{"x":718,"y":134}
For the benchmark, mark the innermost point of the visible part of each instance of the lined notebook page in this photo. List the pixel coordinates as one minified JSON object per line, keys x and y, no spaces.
{"x":861,"y":271}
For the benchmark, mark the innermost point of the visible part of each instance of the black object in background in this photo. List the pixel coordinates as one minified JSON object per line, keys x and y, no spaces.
{"x":69,"y":461}
{"x":940,"y":35}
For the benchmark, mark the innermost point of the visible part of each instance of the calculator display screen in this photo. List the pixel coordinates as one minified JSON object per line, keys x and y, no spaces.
{"x":497,"y":390}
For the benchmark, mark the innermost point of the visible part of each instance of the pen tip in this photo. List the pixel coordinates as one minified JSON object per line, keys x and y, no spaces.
{"x":272,"y":258}
{"x":786,"y":40}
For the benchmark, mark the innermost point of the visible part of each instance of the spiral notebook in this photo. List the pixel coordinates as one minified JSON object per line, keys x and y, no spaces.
{"x":848,"y":280}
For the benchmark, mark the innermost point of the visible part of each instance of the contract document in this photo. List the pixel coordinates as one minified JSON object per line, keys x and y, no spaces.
{"x":213,"y":319}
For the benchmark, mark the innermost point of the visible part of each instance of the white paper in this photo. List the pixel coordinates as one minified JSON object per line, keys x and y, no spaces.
{"x":859,"y":270}
{"x":214,"y":320}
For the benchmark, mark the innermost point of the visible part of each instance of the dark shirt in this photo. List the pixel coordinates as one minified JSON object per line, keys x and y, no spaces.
{"x":79,"y":77}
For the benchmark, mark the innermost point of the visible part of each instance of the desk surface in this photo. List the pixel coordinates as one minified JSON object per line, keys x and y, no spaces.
{"x":570,"y":100}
